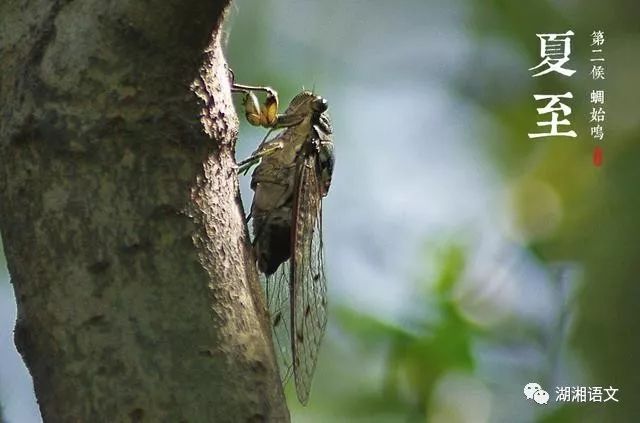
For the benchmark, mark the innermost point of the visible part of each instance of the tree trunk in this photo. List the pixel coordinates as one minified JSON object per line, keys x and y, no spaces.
{"x":121,"y":218}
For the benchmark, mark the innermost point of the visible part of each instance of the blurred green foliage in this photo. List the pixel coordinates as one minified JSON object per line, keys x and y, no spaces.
{"x":419,"y":356}
{"x":600,"y":228}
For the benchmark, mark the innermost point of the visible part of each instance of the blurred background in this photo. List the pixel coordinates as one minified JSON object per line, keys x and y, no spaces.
{"x":464,"y":259}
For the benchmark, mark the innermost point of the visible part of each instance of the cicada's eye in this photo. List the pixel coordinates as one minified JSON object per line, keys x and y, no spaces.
{"x":320,"y":104}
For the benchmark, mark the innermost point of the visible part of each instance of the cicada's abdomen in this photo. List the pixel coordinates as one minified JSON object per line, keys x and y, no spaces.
{"x":272,"y":241}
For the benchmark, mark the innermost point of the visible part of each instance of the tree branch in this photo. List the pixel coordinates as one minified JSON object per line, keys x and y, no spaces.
{"x":121,"y":219}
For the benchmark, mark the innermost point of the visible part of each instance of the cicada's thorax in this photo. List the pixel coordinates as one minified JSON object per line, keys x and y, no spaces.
{"x":274,"y":182}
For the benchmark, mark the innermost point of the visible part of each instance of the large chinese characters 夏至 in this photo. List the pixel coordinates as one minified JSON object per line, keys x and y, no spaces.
{"x":555,"y":51}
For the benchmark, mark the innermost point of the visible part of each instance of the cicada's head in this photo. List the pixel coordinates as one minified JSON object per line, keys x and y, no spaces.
{"x":310,"y":109}
{"x":307,"y":103}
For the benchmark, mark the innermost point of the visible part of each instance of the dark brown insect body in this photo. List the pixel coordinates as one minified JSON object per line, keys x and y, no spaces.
{"x":274,"y":179}
{"x":293,"y":176}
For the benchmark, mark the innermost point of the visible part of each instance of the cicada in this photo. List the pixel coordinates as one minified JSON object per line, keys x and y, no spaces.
{"x":292,"y":176}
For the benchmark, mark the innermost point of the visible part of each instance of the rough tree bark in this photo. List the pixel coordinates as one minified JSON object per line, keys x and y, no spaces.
{"x":121,"y":219}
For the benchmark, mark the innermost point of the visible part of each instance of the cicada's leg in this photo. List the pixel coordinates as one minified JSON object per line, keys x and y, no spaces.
{"x":258,"y":115}
{"x":265,"y":115}
{"x":246,"y":165}
{"x":263,"y":150}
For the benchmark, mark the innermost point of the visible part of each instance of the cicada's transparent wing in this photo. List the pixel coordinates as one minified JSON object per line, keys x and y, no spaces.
{"x":308,"y":282}
{"x":276,"y":288}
